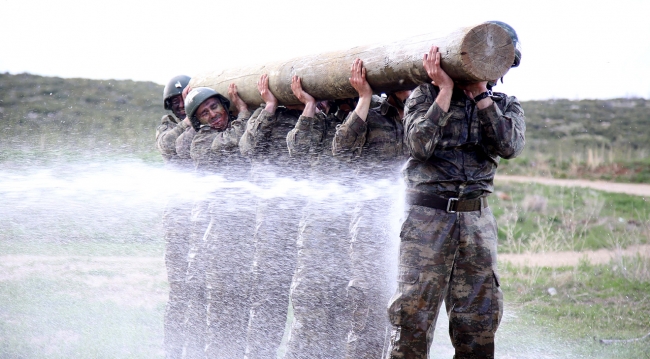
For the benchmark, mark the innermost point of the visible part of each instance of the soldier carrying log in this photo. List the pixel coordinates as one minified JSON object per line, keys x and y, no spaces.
{"x":456,"y":134}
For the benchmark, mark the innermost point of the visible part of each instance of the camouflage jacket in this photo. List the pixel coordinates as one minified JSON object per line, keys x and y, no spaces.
{"x":456,"y":153}
{"x":218,"y":151}
{"x":310,"y":143}
{"x":379,"y":139}
{"x":264,"y":140}
{"x":166,"y":135}
{"x":183,"y":143}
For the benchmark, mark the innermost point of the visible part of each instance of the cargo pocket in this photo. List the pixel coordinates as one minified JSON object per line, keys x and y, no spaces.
{"x":404,"y":303}
{"x":497,"y":302}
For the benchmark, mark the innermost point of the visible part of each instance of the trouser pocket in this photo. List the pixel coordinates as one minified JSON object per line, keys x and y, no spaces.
{"x":403,"y":305}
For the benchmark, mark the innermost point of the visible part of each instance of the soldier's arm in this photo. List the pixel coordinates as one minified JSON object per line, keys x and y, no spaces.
{"x":350,"y":136}
{"x":307,"y":136}
{"x":423,"y":122}
{"x":504,"y":131}
{"x":183,"y":143}
{"x":166,"y":135}
{"x":258,"y":129}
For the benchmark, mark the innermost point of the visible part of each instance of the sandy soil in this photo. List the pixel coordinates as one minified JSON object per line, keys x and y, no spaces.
{"x":637,"y":189}
{"x":570,"y":258}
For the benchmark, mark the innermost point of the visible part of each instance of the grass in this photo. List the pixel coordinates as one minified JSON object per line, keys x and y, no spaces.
{"x":609,"y":301}
{"x":69,"y":303}
{"x":593,"y":161}
{"x":45,"y":318}
{"x":537,"y":218}
{"x":82,"y":249}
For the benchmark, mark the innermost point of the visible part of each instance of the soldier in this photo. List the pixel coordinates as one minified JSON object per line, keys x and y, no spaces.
{"x":456,"y":134}
{"x":371,"y":139}
{"x":172,"y":126}
{"x":176,"y":214}
{"x":220,"y":254}
{"x":321,"y":274}
{"x":276,"y":226}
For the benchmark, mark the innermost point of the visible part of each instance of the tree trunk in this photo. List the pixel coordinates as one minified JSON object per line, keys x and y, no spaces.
{"x":476,"y":53}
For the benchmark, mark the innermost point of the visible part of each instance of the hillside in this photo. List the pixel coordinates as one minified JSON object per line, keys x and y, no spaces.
{"x":52,"y":115}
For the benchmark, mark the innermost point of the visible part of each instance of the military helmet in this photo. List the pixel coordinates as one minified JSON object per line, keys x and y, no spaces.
{"x":196,"y":97}
{"x":515,"y":40}
{"x":174,"y":87}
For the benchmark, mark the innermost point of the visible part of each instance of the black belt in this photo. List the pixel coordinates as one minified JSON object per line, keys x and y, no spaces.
{"x":451,"y":205}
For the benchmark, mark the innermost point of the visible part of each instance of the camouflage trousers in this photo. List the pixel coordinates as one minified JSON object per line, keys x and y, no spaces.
{"x":276,"y":231}
{"x":318,"y":288}
{"x":368,"y":290}
{"x":450,"y":257}
{"x":176,"y":229}
{"x":229,"y":253}
{"x":195,"y":316}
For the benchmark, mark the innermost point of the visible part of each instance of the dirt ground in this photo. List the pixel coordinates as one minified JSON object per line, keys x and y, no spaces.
{"x":637,"y":189}
{"x":571,"y":258}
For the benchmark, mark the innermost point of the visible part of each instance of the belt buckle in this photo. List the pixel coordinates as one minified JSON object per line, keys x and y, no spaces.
{"x":449,"y":201}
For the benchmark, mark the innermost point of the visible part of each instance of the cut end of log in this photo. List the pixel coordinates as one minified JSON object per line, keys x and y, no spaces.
{"x":487,"y":52}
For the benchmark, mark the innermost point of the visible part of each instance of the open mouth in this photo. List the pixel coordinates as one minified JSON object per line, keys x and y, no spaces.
{"x":218,"y":123}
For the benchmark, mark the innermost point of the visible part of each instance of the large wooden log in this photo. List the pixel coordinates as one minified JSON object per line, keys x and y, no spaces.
{"x":476,"y":53}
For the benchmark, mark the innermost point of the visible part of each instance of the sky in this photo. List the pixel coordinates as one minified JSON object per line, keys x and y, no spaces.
{"x":571,"y":49}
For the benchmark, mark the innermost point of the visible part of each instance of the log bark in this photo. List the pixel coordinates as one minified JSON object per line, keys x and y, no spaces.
{"x":472,"y":54}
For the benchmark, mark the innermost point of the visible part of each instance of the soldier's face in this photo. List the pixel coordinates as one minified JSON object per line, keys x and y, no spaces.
{"x":177,"y":106}
{"x":212,"y":113}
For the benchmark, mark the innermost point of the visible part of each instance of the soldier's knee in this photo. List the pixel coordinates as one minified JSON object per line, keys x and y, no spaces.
{"x":483,"y":315}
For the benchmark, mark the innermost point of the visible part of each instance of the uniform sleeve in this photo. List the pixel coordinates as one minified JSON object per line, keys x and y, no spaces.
{"x":423,"y":122}
{"x":166,"y":135}
{"x":307,"y":135}
{"x":183,"y":143}
{"x":229,"y":138}
{"x":257,"y":130}
{"x":350,"y":136}
{"x":504,"y":130}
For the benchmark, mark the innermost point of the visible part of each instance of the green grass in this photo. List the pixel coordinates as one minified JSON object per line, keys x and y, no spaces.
{"x":90,"y":248}
{"x":540,"y":218}
{"x":45,"y":318}
{"x":609,"y":301}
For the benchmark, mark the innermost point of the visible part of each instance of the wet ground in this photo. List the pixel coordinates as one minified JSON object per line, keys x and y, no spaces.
{"x":137,"y":284}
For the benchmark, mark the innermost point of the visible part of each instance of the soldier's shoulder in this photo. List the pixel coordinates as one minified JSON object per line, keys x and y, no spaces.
{"x":507,"y":103}
{"x":422,"y":94}
{"x":166,"y":119}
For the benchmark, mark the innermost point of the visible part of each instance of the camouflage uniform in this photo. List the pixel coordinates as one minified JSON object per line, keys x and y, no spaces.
{"x":376,"y":148}
{"x":276,"y":229}
{"x":176,"y":217}
{"x":218,"y":270}
{"x":183,"y":144}
{"x":452,"y":255}
{"x":319,"y":281}
{"x":166,"y":134}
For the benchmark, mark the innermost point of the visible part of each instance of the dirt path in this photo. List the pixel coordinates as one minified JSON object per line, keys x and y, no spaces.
{"x":637,"y":189}
{"x":570,"y":258}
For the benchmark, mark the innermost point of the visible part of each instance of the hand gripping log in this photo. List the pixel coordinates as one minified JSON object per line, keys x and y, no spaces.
{"x":471,"y":54}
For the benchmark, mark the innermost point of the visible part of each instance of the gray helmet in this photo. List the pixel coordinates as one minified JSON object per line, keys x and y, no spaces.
{"x":174,"y":87}
{"x":515,"y":40}
{"x":196,"y":97}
